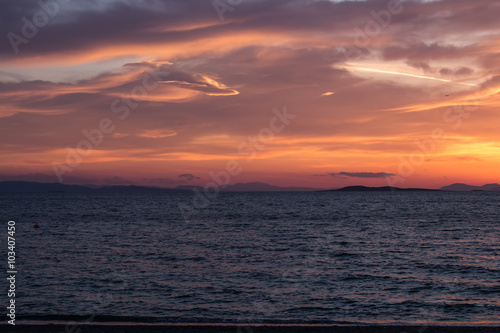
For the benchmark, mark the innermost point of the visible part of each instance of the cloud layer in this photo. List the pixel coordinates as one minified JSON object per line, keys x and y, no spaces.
{"x":183,"y":89}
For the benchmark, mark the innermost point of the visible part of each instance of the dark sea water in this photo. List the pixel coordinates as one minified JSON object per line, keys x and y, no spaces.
{"x":326,"y":257}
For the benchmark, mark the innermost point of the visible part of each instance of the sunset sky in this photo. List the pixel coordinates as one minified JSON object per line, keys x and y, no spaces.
{"x":294,"y":93}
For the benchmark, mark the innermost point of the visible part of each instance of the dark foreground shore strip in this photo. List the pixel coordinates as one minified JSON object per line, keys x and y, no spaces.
{"x":241,"y":329}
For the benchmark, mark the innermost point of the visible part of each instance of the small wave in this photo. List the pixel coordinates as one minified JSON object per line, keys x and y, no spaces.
{"x":307,"y":308}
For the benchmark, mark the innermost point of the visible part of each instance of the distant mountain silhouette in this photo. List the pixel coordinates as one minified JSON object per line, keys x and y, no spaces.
{"x":464,"y":187}
{"x":264,"y":187}
{"x":253,"y":187}
{"x":33,"y":187}
{"x":29,"y":187}
{"x":189,"y":187}
{"x":454,"y":187}
{"x":379,"y":189}
{"x":134,"y":189}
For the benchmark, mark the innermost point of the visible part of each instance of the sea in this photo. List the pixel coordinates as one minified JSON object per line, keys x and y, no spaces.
{"x":394,"y":258}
